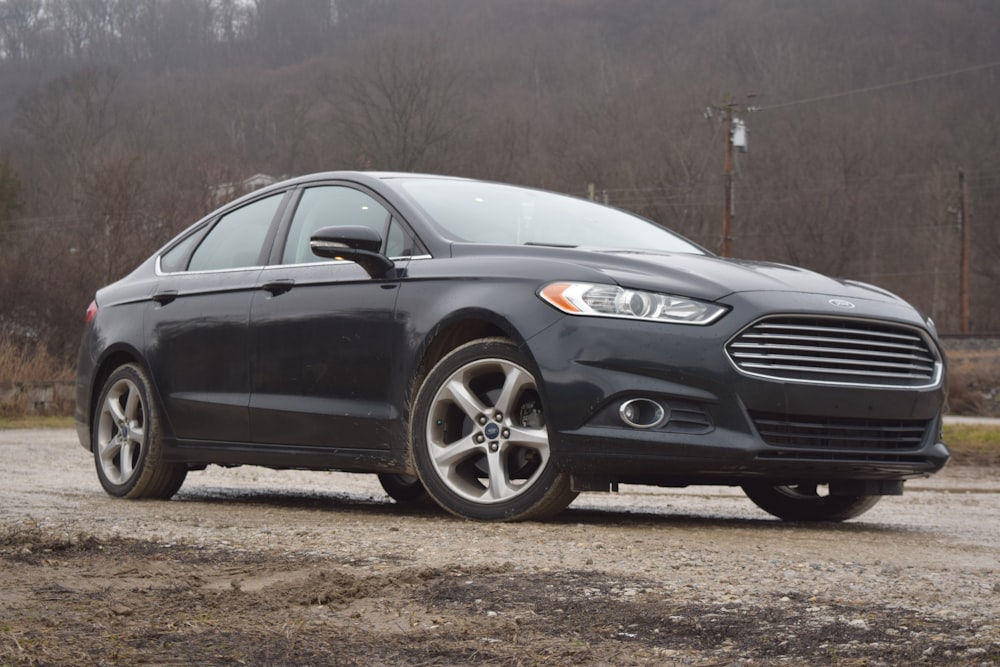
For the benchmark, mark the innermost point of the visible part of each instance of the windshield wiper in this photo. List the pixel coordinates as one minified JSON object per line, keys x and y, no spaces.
{"x":549,"y":245}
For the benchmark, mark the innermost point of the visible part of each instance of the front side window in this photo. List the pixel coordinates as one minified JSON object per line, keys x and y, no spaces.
{"x":401,"y":243}
{"x":330,"y":206}
{"x":237,"y":239}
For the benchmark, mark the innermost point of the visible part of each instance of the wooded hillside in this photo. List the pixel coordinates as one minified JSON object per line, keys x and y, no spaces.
{"x":119,"y":118}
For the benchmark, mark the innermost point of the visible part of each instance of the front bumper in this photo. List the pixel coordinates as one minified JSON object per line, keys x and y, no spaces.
{"x":724,"y":426}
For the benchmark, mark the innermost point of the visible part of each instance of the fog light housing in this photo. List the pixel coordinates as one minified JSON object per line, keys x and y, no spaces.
{"x":642,"y":413}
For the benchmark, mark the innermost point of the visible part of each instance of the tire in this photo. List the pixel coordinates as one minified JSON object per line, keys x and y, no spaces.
{"x":126,"y":440}
{"x":804,"y":502}
{"x":478,"y":437}
{"x":404,"y":489}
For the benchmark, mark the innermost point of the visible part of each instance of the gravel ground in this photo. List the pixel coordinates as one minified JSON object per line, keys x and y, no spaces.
{"x":252,"y":566}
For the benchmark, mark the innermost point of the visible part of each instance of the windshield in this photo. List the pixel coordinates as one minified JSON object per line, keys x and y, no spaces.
{"x":481,"y":212}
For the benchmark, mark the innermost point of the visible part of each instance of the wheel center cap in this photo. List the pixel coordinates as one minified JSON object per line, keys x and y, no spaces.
{"x":492,"y":431}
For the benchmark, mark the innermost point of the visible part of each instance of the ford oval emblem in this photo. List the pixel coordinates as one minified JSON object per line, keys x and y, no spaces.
{"x":841,"y":303}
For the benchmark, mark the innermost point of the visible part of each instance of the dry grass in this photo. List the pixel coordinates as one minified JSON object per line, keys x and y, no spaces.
{"x":974,"y":382}
{"x":24,"y":371}
{"x":30,"y":365}
{"x":973,"y":444}
{"x":34,"y":422}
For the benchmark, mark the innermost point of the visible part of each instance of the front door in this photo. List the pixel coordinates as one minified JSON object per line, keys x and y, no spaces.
{"x":324,"y":336}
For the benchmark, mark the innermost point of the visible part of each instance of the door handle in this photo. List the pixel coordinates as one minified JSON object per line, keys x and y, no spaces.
{"x":276,"y":287}
{"x":165,"y":297}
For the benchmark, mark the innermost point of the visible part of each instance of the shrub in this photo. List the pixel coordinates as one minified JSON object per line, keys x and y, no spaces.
{"x":974,"y":382}
{"x":33,"y":381}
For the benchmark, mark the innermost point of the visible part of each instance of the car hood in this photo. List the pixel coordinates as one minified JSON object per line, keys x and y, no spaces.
{"x":699,"y":276}
{"x":711,"y":277}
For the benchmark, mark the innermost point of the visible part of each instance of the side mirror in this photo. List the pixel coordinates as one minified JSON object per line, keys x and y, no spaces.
{"x":353,"y":243}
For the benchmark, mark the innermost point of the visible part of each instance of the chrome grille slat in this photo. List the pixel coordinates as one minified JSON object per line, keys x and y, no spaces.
{"x":836,"y":351}
{"x":913,"y":354}
{"x":771,"y":340}
{"x":843,"y":330}
{"x":820,"y":360}
{"x":829,"y":371}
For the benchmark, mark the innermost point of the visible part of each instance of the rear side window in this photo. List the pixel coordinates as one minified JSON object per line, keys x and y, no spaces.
{"x":236,"y":240}
{"x":175,"y":258}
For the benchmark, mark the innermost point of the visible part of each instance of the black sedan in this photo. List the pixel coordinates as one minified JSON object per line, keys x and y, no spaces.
{"x":500,"y":349}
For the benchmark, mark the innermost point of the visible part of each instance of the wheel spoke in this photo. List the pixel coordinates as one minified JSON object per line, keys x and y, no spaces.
{"x":447,"y":456}
{"x":136,"y":433}
{"x":462,"y":396}
{"x":532,"y":438}
{"x":125,"y":460}
{"x":133,"y":404}
{"x":115,"y":408}
{"x":499,"y":482}
{"x":109,"y":450}
{"x":515,"y":381}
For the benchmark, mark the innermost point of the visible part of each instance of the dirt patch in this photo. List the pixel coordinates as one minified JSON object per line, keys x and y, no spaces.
{"x":260,"y":567}
{"x":83,"y":601}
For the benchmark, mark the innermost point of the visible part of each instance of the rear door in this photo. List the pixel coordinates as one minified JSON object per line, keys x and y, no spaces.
{"x":197,"y":330}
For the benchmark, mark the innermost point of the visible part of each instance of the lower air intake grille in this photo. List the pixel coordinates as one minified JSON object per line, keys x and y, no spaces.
{"x":828,"y":433}
{"x":827,"y":350}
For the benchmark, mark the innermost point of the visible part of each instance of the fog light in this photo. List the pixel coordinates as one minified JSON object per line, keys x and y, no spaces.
{"x":642,"y":413}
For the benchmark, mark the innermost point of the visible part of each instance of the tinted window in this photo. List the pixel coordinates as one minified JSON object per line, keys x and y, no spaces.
{"x":174,"y":259}
{"x":401,"y":243}
{"x":236,"y":239}
{"x":329,"y":206}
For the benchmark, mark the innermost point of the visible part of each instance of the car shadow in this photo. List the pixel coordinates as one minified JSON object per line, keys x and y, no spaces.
{"x":382,"y":506}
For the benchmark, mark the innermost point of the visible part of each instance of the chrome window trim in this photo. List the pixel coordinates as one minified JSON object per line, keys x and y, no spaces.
{"x":161,"y":273}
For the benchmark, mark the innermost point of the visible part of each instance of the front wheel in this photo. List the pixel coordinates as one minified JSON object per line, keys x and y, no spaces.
{"x":807,"y":502}
{"x":478,"y":437}
{"x":126,"y":441}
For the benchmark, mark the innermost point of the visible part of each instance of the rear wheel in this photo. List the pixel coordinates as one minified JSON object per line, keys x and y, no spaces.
{"x":807,"y":502}
{"x":126,"y":441}
{"x":479,"y":440}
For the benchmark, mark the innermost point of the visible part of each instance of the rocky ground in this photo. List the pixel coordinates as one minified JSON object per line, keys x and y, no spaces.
{"x":251,"y":566}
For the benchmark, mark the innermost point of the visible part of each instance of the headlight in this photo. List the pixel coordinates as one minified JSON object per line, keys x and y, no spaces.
{"x":615,"y":301}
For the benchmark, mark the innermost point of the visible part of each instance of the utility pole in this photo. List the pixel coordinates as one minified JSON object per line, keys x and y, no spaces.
{"x":727,"y":212}
{"x":735,"y":135}
{"x":963,"y":215}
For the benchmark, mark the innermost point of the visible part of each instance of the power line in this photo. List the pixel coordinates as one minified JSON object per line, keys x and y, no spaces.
{"x":883,"y":86}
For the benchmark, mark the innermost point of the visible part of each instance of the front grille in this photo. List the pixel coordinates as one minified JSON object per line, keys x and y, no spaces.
{"x":836,"y":351}
{"x":834,"y":433}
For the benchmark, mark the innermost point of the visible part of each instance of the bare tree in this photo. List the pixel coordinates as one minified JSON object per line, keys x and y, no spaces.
{"x":11,"y":201}
{"x":402,"y":109}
